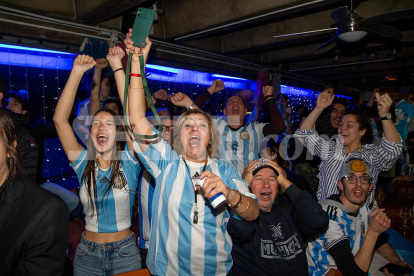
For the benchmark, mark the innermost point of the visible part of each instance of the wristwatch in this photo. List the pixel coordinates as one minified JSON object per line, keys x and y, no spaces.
{"x":192,"y":106}
{"x":386,"y":117}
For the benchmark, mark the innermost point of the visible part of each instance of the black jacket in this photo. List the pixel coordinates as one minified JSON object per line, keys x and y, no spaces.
{"x":34,"y":226}
{"x":273,"y":243}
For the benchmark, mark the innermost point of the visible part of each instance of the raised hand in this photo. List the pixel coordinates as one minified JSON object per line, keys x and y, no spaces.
{"x":115,"y":53}
{"x":267,"y":90}
{"x":83,"y":63}
{"x":217,"y":86}
{"x":379,"y":221}
{"x":325,"y":98}
{"x":384,"y":103}
{"x":138,"y":51}
{"x":247,"y":174}
{"x":161,"y":95}
{"x":180,"y":99}
{"x":282,"y":178}
{"x":101,"y":63}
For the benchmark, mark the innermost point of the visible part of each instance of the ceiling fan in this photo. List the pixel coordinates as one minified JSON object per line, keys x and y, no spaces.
{"x":353,"y":28}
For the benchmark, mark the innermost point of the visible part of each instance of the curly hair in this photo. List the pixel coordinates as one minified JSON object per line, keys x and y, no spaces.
{"x":214,"y":133}
{"x":9,"y":138}
{"x":364,"y":124}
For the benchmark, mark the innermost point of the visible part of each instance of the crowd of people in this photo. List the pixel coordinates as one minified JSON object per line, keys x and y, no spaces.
{"x":215,"y":195}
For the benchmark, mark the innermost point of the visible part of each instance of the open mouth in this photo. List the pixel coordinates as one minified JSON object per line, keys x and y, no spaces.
{"x":358,"y":193}
{"x":102,"y":139}
{"x":236,"y":109}
{"x":194,"y":140}
{"x":265,"y":196}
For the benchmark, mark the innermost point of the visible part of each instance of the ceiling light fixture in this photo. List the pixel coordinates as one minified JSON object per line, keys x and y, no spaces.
{"x":354,"y":29}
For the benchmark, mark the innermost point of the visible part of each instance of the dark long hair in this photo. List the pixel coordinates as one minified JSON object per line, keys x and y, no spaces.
{"x":89,"y":175}
{"x":364,"y":124}
{"x":9,"y":138}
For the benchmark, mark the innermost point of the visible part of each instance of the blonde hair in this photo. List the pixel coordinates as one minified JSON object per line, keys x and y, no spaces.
{"x":214,"y":133}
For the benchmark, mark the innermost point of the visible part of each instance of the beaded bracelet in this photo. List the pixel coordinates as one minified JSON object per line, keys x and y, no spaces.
{"x":238,"y":203}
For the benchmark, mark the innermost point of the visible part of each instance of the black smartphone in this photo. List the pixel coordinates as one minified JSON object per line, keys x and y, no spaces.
{"x":396,"y":270}
{"x":142,"y":26}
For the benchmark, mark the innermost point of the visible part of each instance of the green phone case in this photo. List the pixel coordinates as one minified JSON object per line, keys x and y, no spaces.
{"x":142,"y":26}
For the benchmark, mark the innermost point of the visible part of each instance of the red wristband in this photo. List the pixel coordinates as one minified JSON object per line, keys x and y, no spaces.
{"x":135,"y":75}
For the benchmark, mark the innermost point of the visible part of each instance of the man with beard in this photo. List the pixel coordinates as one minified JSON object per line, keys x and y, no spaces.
{"x":354,"y":232}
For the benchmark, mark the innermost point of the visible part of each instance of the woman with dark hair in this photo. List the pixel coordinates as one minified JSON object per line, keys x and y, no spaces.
{"x":33,"y":222}
{"x":188,"y":235}
{"x":107,"y":172}
{"x":355,"y":134}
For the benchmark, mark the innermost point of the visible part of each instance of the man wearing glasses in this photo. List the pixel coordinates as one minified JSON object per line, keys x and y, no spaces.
{"x":353,"y":233}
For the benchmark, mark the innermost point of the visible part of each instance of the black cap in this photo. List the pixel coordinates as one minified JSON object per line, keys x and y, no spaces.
{"x":263,"y":165}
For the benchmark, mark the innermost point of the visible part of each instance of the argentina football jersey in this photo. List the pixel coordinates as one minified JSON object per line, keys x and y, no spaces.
{"x":241,"y":146}
{"x":177,"y":245}
{"x":113,"y":213}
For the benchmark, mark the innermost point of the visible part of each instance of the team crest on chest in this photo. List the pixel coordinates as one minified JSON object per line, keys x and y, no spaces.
{"x":120,"y":180}
{"x":244,"y":135}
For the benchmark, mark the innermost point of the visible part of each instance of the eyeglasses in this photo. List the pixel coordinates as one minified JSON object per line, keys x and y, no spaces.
{"x":169,"y":128}
{"x":352,"y":179}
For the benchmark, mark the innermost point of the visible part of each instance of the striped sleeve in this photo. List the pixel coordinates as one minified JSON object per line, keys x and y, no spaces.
{"x":315,"y":144}
{"x":80,"y":164}
{"x":386,"y":154}
{"x":234,"y":181}
{"x":157,"y":156}
{"x":335,"y":234}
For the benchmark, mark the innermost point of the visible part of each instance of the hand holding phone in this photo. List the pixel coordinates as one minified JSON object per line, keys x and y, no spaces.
{"x":396,"y":270}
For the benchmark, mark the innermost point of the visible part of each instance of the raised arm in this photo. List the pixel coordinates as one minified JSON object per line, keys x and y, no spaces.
{"x":324,"y":100}
{"x":136,"y":94}
{"x":215,"y":87}
{"x":277,"y":125}
{"x":95,"y":105}
{"x":384,"y":104}
{"x":181,"y":99}
{"x":114,"y":57}
{"x":63,"y":109}
{"x":372,"y":98}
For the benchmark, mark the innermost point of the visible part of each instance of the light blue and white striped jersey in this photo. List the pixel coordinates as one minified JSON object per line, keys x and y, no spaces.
{"x":177,"y":245}
{"x":114,"y":213}
{"x":239,"y":147}
{"x":332,"y":153}
{"x":343,"y":225}
{"x":146,"y":189}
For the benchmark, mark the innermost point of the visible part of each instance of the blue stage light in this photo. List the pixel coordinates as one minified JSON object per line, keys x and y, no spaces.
{"x":227,"y":77}
{"x":162,"y":68}
{"x":33,"y":49}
